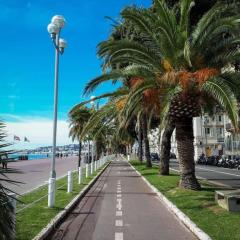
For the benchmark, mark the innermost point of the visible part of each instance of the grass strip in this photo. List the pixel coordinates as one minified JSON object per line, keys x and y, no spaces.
{"x":32,"y":220}
{"x":199,"y":206}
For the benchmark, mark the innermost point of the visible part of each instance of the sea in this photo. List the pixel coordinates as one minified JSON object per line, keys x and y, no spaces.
{"x":31,"y":156}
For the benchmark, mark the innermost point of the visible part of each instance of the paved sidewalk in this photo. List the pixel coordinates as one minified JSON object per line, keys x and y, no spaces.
{"x":121,"y":206}
{"x":36,"y":172}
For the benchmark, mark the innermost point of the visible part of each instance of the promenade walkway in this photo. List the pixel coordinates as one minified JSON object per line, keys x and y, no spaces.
{"x":36,"y":172}
{"x":121,"y":206}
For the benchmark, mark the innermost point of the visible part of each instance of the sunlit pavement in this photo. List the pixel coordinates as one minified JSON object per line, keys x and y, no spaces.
{"x":223,"y":176}
{"x":37,"y":172}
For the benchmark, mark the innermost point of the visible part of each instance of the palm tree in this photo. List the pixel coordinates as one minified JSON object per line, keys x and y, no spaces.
{"x":78,"y":118}
{"x":185,"y":62}
{"x":7,"y":219}
{"x":166,"y":148}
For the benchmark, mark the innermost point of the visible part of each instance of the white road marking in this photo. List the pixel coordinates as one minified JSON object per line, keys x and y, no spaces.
{"x":210,"y":170}
{"x":119,"y":206}
{"x":119,"y":191}
{"x":118,"y":223}
{"x":119,"y":200}
{"x":119,"y":213}
{"x":214,"y":182}
{"x":118,"y":236}
{"x":119,"y":195}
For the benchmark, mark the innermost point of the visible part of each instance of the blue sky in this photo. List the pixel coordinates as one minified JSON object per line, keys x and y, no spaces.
{"x":27,"y":56}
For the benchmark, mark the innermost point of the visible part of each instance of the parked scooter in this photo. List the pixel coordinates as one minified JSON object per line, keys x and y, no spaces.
{"x":202,"y":159}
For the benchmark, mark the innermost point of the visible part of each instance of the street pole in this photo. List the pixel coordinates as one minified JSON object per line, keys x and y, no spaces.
{"x":54,"y":28}
{"x":53,"y":171}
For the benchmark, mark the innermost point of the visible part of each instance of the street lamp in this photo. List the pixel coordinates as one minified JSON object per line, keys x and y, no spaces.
{"x":93,"y":142}
{"x":54,"y":28}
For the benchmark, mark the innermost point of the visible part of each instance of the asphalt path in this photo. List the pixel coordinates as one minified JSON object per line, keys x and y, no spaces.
{"x":36,"y":172}
{"x":219,"y":175}
{"x":121,"y":206}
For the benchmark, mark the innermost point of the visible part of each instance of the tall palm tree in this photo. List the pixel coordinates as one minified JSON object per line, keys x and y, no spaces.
{"x":165,"y":150}
{"x":186,"y":62}
{"x":78,"y":117}
{"x":122,"y":31}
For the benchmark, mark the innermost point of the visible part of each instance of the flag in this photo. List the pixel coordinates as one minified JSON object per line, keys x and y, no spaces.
{"x":26,"y":140}
{"x":16,"y":138}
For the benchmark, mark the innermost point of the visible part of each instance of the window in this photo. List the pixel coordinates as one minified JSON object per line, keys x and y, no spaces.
{"x":206,"y":120}
{"x":207,"y":131}
{"x":221,"y":130}
{"x":219,"y":118}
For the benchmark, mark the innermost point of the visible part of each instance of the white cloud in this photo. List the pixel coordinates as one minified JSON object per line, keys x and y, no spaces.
{"x":38,"y":131}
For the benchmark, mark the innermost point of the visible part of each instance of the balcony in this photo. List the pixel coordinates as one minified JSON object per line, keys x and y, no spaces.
{"x":220,"y":139}
{"x":229,"y":127}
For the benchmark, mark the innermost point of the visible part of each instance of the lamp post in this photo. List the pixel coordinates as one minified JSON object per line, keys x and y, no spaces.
{"x":92,"y":104}
{"x":54,"y":28}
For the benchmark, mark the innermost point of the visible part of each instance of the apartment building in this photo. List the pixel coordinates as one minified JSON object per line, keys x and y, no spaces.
{"x":210,"y":133}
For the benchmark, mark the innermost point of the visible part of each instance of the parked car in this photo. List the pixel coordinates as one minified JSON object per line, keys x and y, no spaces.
{"x":154,"y":157}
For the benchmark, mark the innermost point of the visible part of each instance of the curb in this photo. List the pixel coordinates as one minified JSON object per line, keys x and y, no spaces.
{"x":178,"y":213}
{"x":60,"y":216}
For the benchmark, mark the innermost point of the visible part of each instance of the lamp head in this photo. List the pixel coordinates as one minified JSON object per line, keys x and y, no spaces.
{"x":53,"y":28}
{"x":59,"y":21}
{"x":62,"y":45}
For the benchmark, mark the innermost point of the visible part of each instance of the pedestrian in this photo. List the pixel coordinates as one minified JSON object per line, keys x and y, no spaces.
{"x":3,"y":159}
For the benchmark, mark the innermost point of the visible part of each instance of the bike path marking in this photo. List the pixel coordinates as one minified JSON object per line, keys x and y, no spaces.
{"x":118,"y":236}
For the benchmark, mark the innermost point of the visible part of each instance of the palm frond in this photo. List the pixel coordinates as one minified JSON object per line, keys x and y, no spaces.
{"x":217,"y":88}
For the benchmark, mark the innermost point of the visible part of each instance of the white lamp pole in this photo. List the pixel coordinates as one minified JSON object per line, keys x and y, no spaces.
{"x":92,"y":103}
{"x":54,"y":28}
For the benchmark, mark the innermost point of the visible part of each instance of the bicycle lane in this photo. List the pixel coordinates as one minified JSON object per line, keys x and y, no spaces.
{"x":121,"y":206}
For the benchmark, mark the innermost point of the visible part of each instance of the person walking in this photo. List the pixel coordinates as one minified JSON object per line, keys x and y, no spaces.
{"x":3,"y":160}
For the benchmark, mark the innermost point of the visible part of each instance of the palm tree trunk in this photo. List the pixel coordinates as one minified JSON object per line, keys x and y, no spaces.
{"x":140,"y":150}
{"x":166,"y":148}
{"x":79,"y":153}
{"x":146,"y":141}
{"x":184,"y":137}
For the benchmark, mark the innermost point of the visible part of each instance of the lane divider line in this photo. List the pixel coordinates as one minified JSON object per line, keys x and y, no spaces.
{"x":118,"y":223}
{"x":118,"y":236}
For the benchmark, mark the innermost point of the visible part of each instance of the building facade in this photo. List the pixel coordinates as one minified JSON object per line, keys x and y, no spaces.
{"x":213,"y":136}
